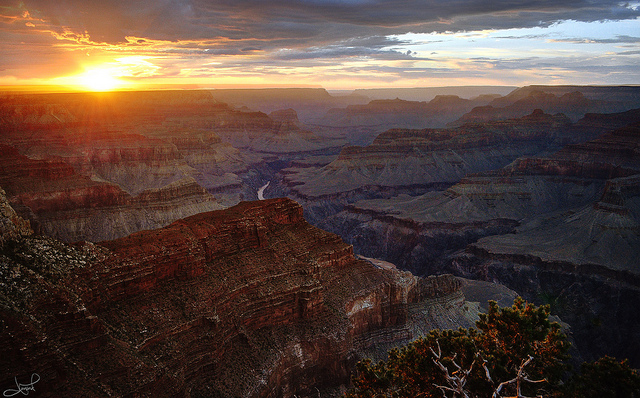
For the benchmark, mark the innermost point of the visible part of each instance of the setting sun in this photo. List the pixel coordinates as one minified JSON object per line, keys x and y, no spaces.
{"x":99,"y":80}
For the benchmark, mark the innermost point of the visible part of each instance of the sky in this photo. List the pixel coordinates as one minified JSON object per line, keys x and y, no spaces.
{"x":335,"y":44}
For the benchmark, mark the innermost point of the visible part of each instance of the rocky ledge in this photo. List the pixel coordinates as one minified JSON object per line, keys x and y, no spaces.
{"x":248,"y":301}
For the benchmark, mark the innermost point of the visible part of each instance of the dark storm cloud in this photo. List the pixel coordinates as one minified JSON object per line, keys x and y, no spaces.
{"x":342,"y":52}
{"x":305,"y":22}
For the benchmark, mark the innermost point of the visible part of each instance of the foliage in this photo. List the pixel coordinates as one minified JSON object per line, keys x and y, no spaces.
{"x":605,"y":378}
{"x":411,"y":372}
{"x":510,"y":335}
{"x":491,"y":354}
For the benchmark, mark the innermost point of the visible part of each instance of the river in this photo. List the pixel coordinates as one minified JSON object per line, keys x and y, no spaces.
{"x":261,"y":190}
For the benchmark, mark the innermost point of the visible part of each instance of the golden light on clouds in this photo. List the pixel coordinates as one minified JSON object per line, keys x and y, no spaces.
{"x":122,"y":73}
{"x":78,"y":45}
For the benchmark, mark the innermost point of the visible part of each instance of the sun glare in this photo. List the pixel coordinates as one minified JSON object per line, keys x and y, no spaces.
{"x":99,"y":80}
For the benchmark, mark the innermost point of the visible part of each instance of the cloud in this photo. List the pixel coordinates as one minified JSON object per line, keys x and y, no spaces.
{"x":375,"y":47}
{"x":207,"y":37}
{"x":304,"y":22}
{"x":616,"y":40}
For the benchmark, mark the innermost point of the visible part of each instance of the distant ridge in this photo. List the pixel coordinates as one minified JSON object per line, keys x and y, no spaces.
{"x":429,"y":93}
{"x":622,"y":93}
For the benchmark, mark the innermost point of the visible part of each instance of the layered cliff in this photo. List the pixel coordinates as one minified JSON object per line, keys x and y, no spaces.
{"x":386,"y":114}
{"x":284,"y":135}
{"x":562,"y":229}
{"x":247,"y":301}
{"x":62,"y":203}
{"x":599,"y":174}
{"x":605,"y":231}
{"x":429,"y":157}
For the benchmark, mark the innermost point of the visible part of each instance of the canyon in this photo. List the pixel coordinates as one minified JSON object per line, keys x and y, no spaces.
{"x":121,"y":162}
{"x":406,"y":158}
{"x":135,"y":259}
{"x":247,"y":301}
{"x":562,"y":228}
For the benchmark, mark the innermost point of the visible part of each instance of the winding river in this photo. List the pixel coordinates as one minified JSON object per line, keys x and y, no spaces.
{"x":261,"y":190}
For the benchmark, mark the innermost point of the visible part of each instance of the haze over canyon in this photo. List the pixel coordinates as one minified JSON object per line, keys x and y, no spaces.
{"x":260,"y":242}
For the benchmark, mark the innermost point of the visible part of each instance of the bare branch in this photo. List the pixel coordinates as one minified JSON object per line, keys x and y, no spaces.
{"x":439,"y":355}
{"x":457,"y":380}
{"x":533,"y":381}
{"x":496,"y":393}
{"x":520,"y":377}
{"x":486,"y":370}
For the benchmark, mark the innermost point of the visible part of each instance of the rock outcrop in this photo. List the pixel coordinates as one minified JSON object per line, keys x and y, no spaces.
{"x":12,"y":226}
{"x":405,"y":158}
{"x":247,"y":301}
{"x":70,"y":206}
{"x":573,"y":101}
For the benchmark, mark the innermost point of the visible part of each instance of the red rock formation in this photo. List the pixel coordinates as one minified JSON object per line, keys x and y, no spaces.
{"x":63,"y":203}
{"x":248,"y":301}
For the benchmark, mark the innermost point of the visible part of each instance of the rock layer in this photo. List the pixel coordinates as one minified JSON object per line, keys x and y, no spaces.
{"x":562,"y":229}
{"x":573,"y":101}
{"x":247,"y":301}
{"x":426,"y":157}
{"x":385,"y":114}
{"x":62,"y":203}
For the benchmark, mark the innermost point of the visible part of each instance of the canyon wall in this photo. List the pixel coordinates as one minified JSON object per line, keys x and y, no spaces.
{"x":397,"y":113}
{"x":573,"y":101}
{"x":249,"y":301}
{"x":561,"y":229}
{"x":405,"y":158}
{"x":62,"y":203}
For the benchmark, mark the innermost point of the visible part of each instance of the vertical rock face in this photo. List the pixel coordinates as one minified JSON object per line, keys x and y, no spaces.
{"x":248,"y":301}
{"x":12,"y":226}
